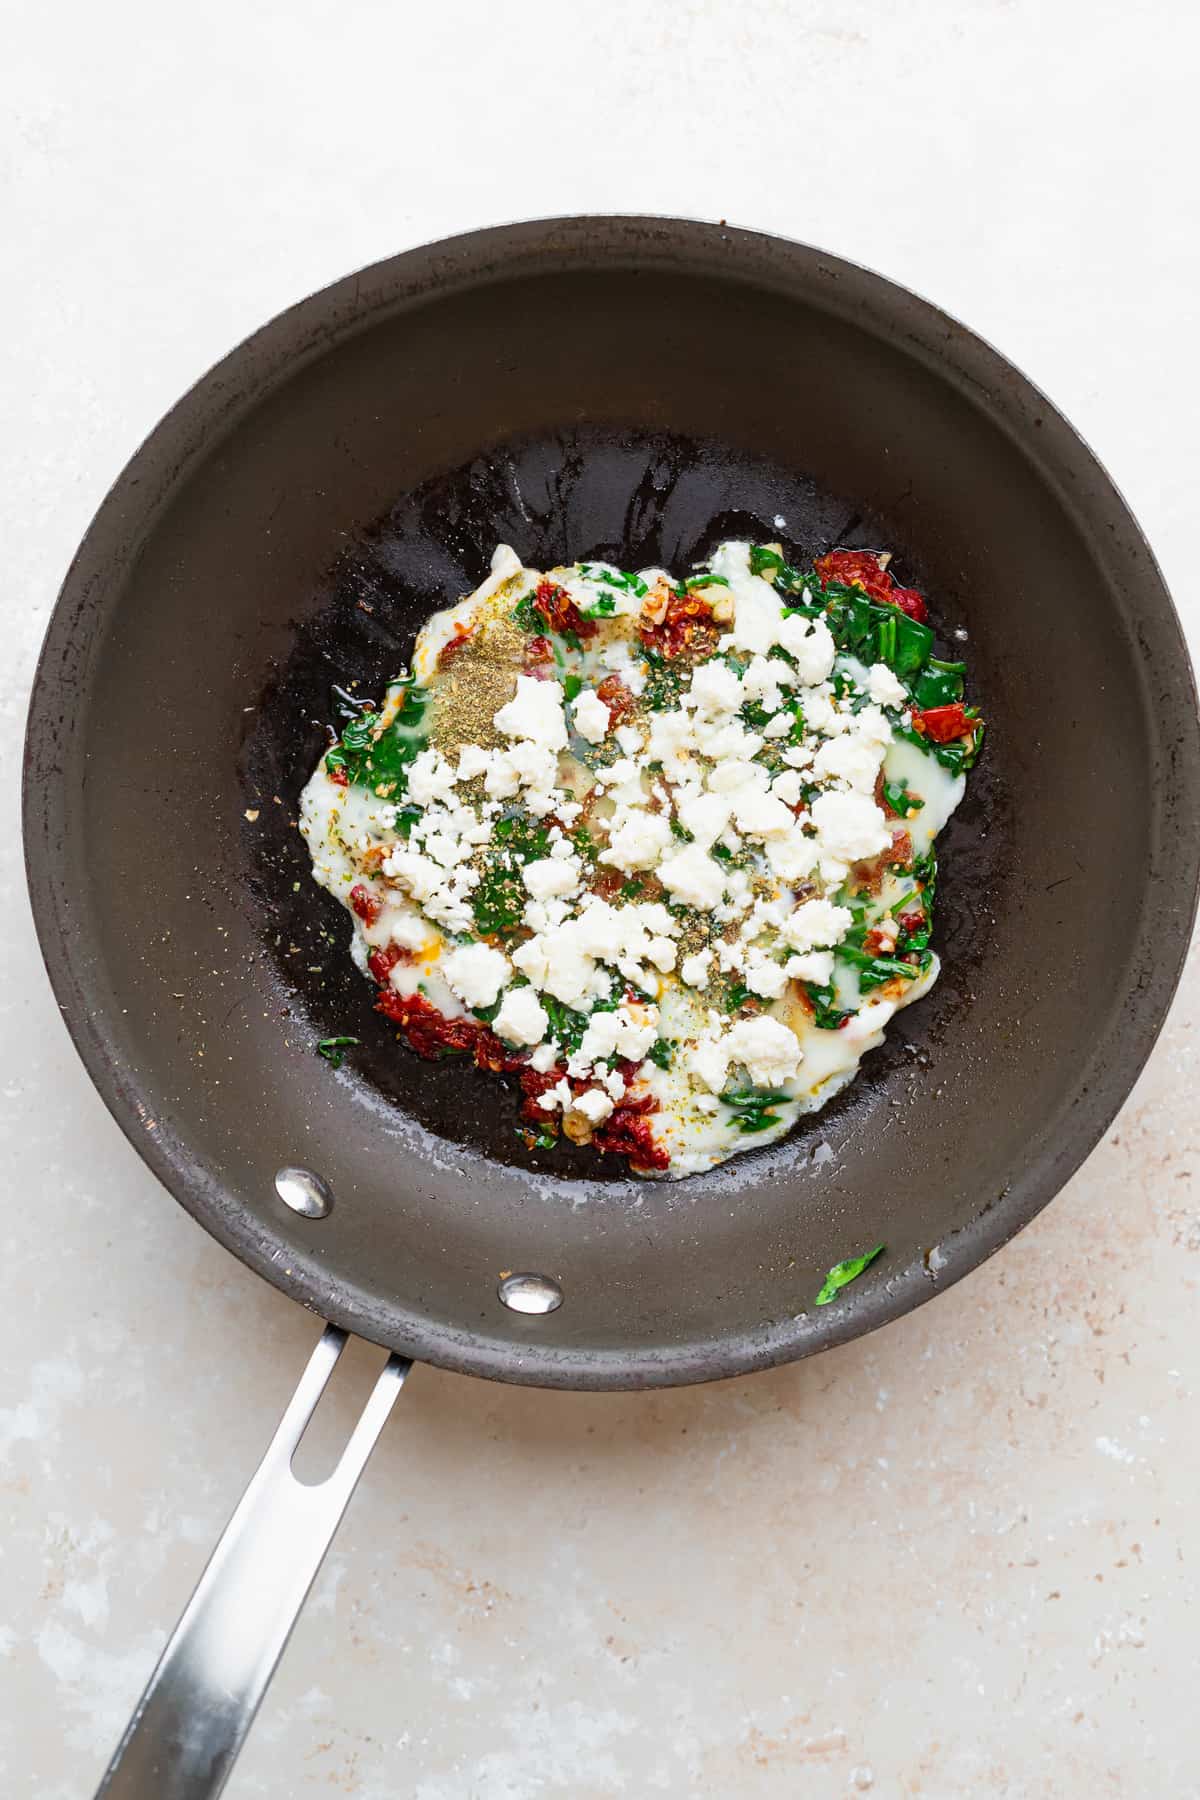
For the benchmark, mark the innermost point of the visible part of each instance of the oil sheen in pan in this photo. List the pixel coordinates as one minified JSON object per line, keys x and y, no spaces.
{"x":637,"y":500}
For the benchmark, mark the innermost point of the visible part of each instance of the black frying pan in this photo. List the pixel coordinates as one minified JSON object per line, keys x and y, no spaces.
{"x":587,"y":386}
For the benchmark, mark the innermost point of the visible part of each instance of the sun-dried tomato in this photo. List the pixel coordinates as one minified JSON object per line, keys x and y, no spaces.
{"x":616,"y":696}
{"x":559,"y":612}
{"x":860,"y":568}
{"x":910,"y":602}
{"x":869,"y":874}
{"x":539,"y":654}
{"x":382,"y":962}
{"x":943,"y":724}
{"x":429,"y":1031}
{"x":687,"y":624}
{"x":365,"y":903}
{"x":627,"y":1132}
{"x":339,"y":777}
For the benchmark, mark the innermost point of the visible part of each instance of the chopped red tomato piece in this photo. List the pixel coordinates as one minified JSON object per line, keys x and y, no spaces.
{"x":910,"y":602}
{"x":429,"y":1031}
{"x":539,"y":652}
{"x":339,"y":776}
{"x":686,"y":623}
{"x":559,"y":612}
{"x":943,"y":724}
{"x":616,"y":696}
{"x":365,"y":903}
{"x":860,"y":568}
{"x":382,"y":962}
{"x":627,"y":1132}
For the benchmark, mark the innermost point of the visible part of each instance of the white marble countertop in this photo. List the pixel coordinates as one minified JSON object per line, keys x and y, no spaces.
{"x":957,"y":1558}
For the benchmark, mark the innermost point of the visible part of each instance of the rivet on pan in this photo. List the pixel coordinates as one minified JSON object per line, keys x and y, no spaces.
{"x":304,"y":1192}
{"x":530,"y":1293}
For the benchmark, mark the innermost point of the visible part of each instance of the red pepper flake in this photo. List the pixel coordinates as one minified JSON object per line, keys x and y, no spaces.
{"x":365,"y":903}
{"x":555,"y":606}
{"x":943,"y":724}
{"x":687,"y":624}
{"x":616,"y":696}
{"x":860,"y":569}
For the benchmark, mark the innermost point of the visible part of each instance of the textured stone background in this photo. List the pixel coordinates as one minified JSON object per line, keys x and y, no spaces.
{"x":956,"y":1559}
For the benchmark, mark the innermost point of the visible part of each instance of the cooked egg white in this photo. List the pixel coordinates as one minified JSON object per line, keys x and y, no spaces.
{"x":650,"y":872}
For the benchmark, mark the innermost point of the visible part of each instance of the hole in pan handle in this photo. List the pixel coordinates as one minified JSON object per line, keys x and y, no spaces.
{"x":189,"y":1725}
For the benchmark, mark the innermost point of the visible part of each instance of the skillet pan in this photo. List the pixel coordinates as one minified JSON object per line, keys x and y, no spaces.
{"x":575,"y":387}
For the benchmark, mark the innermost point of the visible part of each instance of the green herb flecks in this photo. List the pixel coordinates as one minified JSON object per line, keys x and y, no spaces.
{"x":843,"y":1273}
{"x":661,"y":1053}
{"x":827,"y":1014}
{"x":899,"y":799}
{"x":373,"y":755}
{"x":573,"y":687}
{"x":690,"y":582}
{"x":333,"y":1049}
{"x":752,"y":1109}
{"x":958,"y":758}
{"x":614,"y":578}
{"x":498,"y":901}
{"x":664,"y":680}
{"x":873,"y":971}
{"x":939,"y":683}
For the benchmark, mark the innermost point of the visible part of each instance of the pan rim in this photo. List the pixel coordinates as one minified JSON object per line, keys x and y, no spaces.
{"x":211,"y":406}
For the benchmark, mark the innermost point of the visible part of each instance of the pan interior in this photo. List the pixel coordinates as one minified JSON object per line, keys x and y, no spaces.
{"x":289,"y":527}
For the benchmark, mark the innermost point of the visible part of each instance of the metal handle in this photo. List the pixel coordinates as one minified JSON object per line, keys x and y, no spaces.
{"x":188,"y":1727}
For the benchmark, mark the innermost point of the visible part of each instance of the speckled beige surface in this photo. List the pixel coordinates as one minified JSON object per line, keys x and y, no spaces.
{"x":957,"y":1559}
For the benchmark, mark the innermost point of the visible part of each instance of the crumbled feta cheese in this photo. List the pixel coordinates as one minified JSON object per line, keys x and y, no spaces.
{"x":629,"y":738}
{"x":430,"y":778}
{"x":885,"y":688}
{"x":849,"y":759}
{"x":551,"y":876}
{"x":558,"y":1096}
{"x":769,"y":1051}
{"x":472,"y":761}
{"x":849,"y":826}
{"x":766,"y":978}
{"x":592,"y":717}
{"x":546,"y":1055}
{"x":816,"y":966}
{"x":536,"y":713}
{"x":421,"y":876}
{"x":638,"y":840}
{"x":693,"y":877}
{"x":522,"y":1018}
{"x":476,"y":973}
{"x":761,"y":815}
{"x":816,"y":924}
{"x":694,"y":968}
{"x":594,"y":1105}
{"x":709,"y":1061}
{"x":715,"y":689}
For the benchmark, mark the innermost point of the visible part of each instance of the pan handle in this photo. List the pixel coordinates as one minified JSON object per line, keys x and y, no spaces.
{"x":189,"y":1724}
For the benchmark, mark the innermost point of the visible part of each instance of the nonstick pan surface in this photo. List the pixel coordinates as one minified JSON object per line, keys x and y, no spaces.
{"x":573,"y":387}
